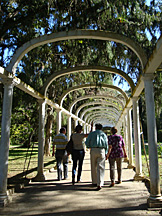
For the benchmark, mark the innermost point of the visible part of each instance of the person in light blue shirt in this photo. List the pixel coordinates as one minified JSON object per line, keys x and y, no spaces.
{"x":98,"y":143}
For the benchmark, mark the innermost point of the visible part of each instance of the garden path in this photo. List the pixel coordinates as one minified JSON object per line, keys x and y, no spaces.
{"x":61,"y":198}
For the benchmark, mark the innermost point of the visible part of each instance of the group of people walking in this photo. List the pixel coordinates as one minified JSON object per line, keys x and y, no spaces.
{"x":101,"y":148}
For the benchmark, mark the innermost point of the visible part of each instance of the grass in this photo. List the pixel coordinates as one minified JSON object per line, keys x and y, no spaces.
{"x":145,"y":169}
{"x":21,"y":166}
{"x":144,"y":163}
{"x":23,"y":163}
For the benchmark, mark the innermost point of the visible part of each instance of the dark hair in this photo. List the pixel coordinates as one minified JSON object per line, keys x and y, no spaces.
{"x":78,"y":128}
{"x":62,"y":130}
{"x":114,"y":130}
{"x":98,"y":126}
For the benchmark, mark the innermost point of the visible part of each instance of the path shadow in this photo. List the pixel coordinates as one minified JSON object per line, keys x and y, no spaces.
{"x":52,"y":185}
{"x":127,"y":211}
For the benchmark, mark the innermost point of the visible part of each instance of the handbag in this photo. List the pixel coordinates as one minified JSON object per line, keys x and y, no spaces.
{"x":69,"y":146}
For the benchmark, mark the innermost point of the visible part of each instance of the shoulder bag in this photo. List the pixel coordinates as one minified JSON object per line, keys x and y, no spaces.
{"x":69,"y":146}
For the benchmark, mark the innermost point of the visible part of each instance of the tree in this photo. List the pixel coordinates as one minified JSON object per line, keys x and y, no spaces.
{"x":22,"y":21}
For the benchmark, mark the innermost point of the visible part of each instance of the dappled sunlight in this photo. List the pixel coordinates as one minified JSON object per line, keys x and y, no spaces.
{"x":53,"y":197}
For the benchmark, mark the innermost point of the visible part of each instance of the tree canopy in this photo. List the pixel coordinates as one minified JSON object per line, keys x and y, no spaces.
{"x":21,"y":21}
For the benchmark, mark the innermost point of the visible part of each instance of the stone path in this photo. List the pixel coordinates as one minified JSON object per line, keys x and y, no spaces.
{"x":61,"y":198}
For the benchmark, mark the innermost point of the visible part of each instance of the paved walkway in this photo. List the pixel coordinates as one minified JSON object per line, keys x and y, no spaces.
{"x":61,"y":198}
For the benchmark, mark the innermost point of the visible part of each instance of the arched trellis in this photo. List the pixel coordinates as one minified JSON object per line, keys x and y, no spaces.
{"x":91,"y":85}
{"x":111,"y":110}
{"x":144,"y":81}
{"x":58,"y":74}
{"x":100,"y":113}
{"x":105,"y":122}
{"x":88,"y":116}
{"x":102,"y":120}
{"x":106,"y":103}
{"x":111,"y":115}
{"x":108,"y":97}
{"x":76,"y":34}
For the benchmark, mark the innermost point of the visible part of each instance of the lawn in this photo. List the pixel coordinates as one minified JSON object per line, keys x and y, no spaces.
{"x":144,"y":162}
{"x":145,"y":169}
{"x":23,"y":163}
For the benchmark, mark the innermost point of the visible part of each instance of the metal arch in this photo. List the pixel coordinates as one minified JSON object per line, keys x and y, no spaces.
{"x":101,"y":118}
{"x":95,"y":96}
{"x":108,"y":113}
{"x":75,"y":34}
{"x":89,"y":115}
{"x":102,"y":121}
{"x":96,"y":108}
{"x":95,"y":103}
{"x":92,"y":85}
{"x":86,"y":68}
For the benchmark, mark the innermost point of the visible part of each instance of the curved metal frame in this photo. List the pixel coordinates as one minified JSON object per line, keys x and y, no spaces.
{"x":95,"y":103}
{"x":100,"y":113}
{"x":100,"y":116}
{"x":102,"y":121}
{"x":58,"y":74}
{"x":76,"y":34}
{"x":92,"y":85}
{"x":95,"y":96}
{"x":96,"y":108}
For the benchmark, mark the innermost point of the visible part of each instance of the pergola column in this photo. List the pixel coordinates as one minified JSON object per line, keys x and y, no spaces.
{"x":69,"y":127}
{"x":58,"y":119}
{"x":125,"y":132}
{"x":126,"y":136}
{"x":81,"y":123}
{"x":119,"y":126}
{"x":89,"y":129}
{"x":75,"y":123}
{"x":5,"y":138}
{"x":155,"y":199}
{"x":84,"y":128}
{"x":130,"y":143}
{"x":40,"y":175}
{"x":137,"y":140}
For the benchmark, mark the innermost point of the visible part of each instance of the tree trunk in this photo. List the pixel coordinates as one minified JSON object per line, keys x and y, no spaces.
{"x":48,"y":129}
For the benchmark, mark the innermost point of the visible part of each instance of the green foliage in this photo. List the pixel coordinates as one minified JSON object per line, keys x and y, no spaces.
{"x":20,"y":133}
{"x":160,"y":149}
{"x":159,"y":135}
{"x":21,"y":21}
{"x":24,"y":122}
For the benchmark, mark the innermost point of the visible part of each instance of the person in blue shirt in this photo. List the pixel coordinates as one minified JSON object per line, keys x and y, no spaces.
{"x":98,"y":143}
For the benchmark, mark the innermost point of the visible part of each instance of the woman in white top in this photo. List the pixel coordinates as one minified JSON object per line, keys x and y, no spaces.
{"x":78,"y":152}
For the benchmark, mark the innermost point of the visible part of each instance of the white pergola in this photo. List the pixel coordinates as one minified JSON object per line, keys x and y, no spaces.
{"x":149,"y":66}
{"x":91,"y":85}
